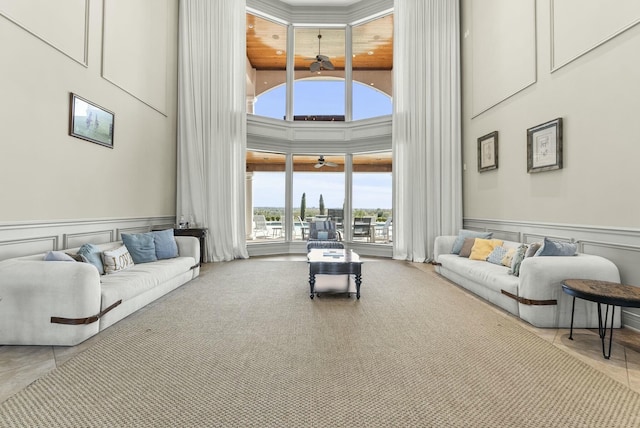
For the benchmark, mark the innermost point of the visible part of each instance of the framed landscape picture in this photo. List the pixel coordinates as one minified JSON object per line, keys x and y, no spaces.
{"x":90,"y":122}
{"x":544,"y":146}
{"x":488,"y":152}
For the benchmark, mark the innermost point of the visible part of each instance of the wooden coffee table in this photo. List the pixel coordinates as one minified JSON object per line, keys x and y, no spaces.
{"x":602,"y":292}
{"x":334,"y":262}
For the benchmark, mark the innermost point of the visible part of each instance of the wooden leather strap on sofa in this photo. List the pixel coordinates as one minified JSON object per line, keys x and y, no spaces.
{"x":530,"y":301}
{"x":88,"y":320}
{"x":194,"y":266}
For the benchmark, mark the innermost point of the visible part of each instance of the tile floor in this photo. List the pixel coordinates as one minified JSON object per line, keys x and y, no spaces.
{"x":22,"y":365}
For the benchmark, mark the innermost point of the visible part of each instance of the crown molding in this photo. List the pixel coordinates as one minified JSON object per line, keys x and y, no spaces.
{"x":339,"y":15}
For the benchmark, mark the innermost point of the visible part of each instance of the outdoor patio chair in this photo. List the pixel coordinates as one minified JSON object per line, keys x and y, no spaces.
{"x":260,"y":226}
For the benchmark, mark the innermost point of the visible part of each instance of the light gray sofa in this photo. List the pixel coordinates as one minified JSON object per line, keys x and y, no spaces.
{"x":535,"y":295}
{"x":64,"y":303}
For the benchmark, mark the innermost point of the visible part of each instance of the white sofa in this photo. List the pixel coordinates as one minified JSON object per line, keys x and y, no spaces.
{"x":535,"y":295}
{"x":64,"y":303}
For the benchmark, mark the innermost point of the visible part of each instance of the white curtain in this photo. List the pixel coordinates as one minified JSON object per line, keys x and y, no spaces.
{"x":212,"y":122}
{"x":426,"y":126}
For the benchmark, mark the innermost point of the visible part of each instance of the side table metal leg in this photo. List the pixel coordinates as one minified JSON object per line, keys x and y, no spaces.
{"x":602,"y":329}
{"x":573,"y":308}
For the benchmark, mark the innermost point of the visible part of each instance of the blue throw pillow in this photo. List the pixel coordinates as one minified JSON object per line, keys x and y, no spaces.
{"x":165,"y":242}
{"x":93,"y":256}
{"x":140,"y":246}
{"x":457,"y":245}
{"x":557,"y":248}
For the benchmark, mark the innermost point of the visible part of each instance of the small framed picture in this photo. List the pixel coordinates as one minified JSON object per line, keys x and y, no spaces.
{"x":488,"y":152}
{"x":544,"y":146}
{"x":90,"y":122}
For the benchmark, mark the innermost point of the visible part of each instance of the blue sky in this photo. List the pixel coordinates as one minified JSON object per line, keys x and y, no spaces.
{"x":323,"y":97}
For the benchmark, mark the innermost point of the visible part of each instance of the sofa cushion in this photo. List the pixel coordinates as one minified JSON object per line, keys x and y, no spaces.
{"x":165,"y":242}
{"x":465,"y":251}
{"x":557,"y":248}
{"x":483,"y":247}
{"x":463,"y":234}
{"x":93,"y":255}
{"x":141,"y":278}
{"x":116,"y":260}
{"x":140,"y":246}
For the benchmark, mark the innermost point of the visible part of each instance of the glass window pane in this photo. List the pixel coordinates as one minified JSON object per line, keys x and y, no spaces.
{"x":267,"y":57}
{"x":372,"y":68}
{"x":319,"y":89}
{"x":372,"y":196}
{"x":318,"y":189}
{"x":266,"y":188}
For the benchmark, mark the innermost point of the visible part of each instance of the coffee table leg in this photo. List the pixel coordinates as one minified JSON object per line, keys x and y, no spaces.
{"x":358,"y":282}
{"x":602,"y":329}
{"x":312,"y":283}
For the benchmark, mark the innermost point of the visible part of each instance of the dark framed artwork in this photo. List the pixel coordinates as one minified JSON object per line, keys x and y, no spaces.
{"x":90,"y":122}
{"x":544,"y":146}
{"x":488,"y":152}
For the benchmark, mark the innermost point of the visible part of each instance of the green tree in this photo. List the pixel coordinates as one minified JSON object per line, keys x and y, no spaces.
{"x":321,"y":205}
{"x":303,"y":205}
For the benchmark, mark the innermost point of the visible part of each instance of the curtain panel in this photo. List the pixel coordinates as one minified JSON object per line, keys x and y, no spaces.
{"x":426,"y":126}
{"x":212,"y":122}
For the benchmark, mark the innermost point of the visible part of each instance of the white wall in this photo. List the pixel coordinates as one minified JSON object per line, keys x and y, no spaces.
{"x":48,"y":52}
{"x":597,"y":94}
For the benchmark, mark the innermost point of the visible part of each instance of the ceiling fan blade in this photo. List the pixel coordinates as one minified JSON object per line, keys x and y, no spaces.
{"x":327,"y":65}
{"x":332,"y":164}
{"x":315,"y":66}
{"x":318,"y":165}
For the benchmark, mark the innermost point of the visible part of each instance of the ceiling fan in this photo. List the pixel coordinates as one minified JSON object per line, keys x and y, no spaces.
{"x":322,"y":162}
{"x":321,"y":62}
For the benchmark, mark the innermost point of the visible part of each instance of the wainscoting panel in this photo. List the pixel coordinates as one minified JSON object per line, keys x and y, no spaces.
{"x":26,"y":247}
{"x":73,"y":240}
{"x":505,"y":235}
{"x":621,"y":246}
{"x":26,"y":238}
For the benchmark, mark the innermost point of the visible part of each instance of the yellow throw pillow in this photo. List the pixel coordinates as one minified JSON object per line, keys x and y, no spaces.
{"x":483,"y":247}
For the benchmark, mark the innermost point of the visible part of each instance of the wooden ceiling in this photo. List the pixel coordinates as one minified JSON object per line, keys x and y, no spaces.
{"x":368,"y":162}
{"x":372,"y":45}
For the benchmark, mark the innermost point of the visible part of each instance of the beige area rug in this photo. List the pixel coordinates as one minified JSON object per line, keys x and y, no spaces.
{"x":244,"y":346}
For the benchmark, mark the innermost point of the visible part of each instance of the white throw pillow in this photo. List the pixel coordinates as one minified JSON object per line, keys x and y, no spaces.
{"x":116,"y":260}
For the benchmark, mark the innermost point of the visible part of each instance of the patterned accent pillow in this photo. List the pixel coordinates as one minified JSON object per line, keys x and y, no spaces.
{"x":508,"y":258}
{"x":496,"y":255}
{"x":518,"y":257}
{"x":116,"y":260}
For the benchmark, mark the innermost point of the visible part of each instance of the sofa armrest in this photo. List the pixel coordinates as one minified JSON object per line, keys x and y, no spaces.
{"x":188,"y":246}
{"x":442,"y":245}
{"x":541,"y":277}
{"x":34,"y":291}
